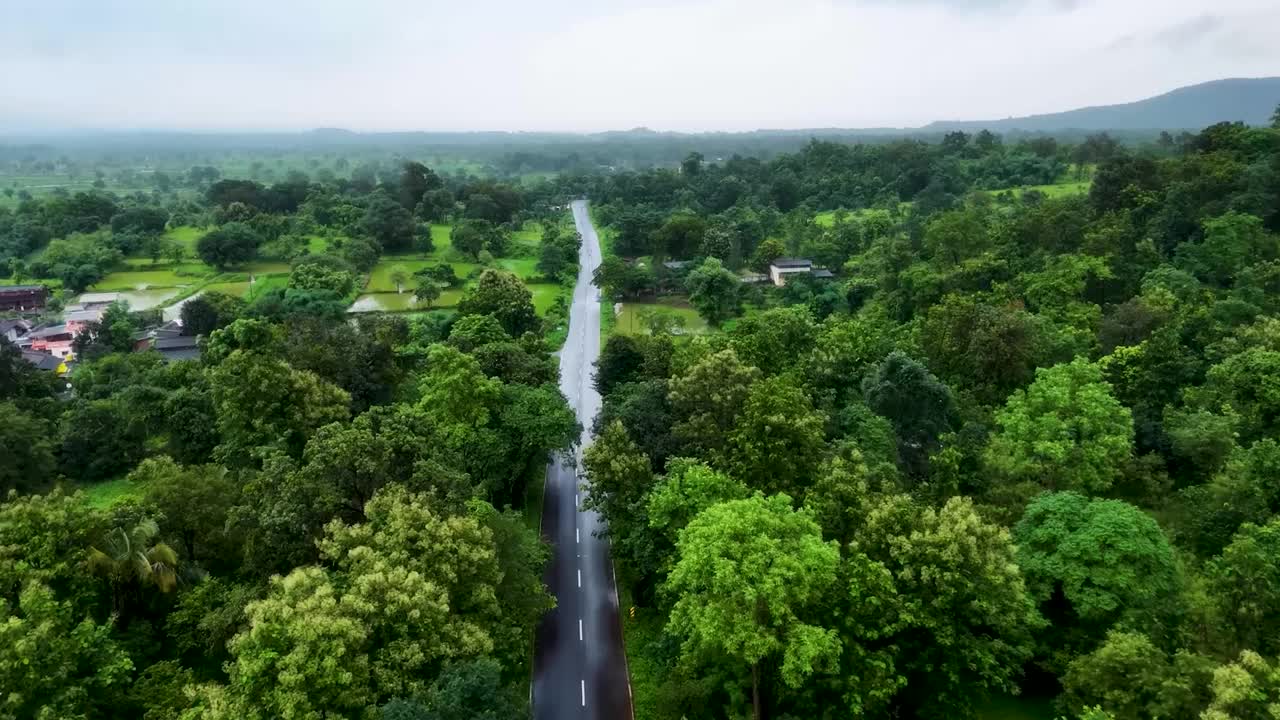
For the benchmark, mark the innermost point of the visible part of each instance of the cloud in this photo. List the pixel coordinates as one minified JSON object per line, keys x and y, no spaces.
{"x":565,"y":65}
{"x":1180,"y":35}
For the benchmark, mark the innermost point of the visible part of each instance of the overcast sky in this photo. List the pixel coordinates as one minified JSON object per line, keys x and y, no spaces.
{"x":605,"y":64}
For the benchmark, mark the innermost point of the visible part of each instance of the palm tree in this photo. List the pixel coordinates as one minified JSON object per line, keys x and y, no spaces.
{"x":132,"y":558}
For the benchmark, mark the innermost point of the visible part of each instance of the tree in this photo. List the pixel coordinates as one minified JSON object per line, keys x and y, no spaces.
{"x":747,"y":574}
{"x":917,"y":404}
{"x":776,"y":444}
{"x":714,"y":291}
{"x":228,"y":246}
{"x":57,"y":663}
{"x":1245,"y":581}
{"x":209,"y":311}
{"x":416,"y":180}
{"x":620,"y":361}
{"x":112,"y":333}
{"x":399,"y":276}
{"x":193,"y":504}
{"x":262,"y":402}
{"x":707,"y":400}
{"x":427,"y":291}
{"x":473,"y":236}
{"x":1065,"y":432}
{"x":766,"y":252}
{"x":619,"y":476}
{"x":1275,"y":119}
{"x":388,"y":223}
{"x":1105,"y":558}
{"x":953,"y":602}
{"x":98,"y":441}
{"x":130,"y":558}
{"x":775,"y":339}
{"x":29,"y":465}
{"x":322,"y":276}
{"x":504,"y":296}
{"x":1132,"y":679}
{"x":553,"y":260}
{"x":1247,"y":689}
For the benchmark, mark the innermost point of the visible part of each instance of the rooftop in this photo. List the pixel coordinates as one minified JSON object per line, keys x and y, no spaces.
{"x":49,"y":332}
{"x":7,"y":289}
{"x":43,"y":361}
{"x":100,"y":297}
{"x":792,"y":263}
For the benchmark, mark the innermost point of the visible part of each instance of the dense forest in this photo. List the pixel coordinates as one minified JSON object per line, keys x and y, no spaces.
{"x":1020,"y":441}
{"x":328,"y":511}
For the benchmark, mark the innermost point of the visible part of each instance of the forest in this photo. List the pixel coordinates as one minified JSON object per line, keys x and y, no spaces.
{"x":1023,"y":440}
{"x":1020,"y":443}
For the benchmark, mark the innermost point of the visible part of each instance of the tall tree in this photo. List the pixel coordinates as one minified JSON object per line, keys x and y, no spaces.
{"x":714,"y":291}
{"x":504,"y":296}
{"x":747,"y":575}
{"x":1065,"y":432}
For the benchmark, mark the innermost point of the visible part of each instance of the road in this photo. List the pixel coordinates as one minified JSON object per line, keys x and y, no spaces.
{"x":579,"y":666}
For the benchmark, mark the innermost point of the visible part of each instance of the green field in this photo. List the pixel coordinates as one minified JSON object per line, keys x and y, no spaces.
{"x":105,"y":494}
{"x":631,"y":320}
{"x":828,"y":218}
{"x":1056,"y":190}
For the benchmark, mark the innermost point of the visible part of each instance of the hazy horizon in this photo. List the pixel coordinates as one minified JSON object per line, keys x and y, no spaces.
{"x":707,"y":65}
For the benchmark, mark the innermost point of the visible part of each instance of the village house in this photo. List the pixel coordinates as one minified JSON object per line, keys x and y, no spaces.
{"x":782,"y":268}
{"x":12,"y":330}
{"x":23,"y":298}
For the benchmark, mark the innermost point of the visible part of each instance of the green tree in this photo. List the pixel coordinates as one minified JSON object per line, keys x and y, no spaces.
{"x":318,"y":276}
{"x":193,"y":504}
{"x":131,"y":559}
{"x":959,"y":612}
{"x":30,"y":464}
{"x":388,"y":223}
{"x":399,"y":276}
{"x":54,"y":666}
{"x":1245,"y":581}
{"x":228,"y":246}
{"x":775,"y":339}
{"x":209,"y":311}
{"x":260,"y":402}
{"x":621,"y":360}
{"x":506,"y":298}
{"x":427,"y":291}
{"x":747,"y":574}
{"x":1107,"y":559}
{"x":917,"y":404}
{"x":776,"y":444}
{"x":714,"y":291}
{"x":1132,"y":679}
{"x":1065,"y":432}
{"x":1247,"y":689}
{"x":619,"y":476}
{"x":707,"y":400}
{"x":766,"y":252}
{"x":98,"y":441}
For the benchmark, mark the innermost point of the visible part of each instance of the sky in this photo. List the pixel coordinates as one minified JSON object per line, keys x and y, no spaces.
{"x":565,"y":65}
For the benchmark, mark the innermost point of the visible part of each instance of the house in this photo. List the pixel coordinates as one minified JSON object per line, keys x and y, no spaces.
{"x":782,"y":267}
{"x":11,"y":330}
{"x":88,"y":301}
{"x":45,"y":361}
{"x":145,"y":339}
{"x":54,"y":340}
{"x":23,"y":298}
{"x":77,"y":317}
{"x":181,"y":347}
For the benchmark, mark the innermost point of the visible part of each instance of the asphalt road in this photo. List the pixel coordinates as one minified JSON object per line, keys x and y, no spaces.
{"x":579,"y":666}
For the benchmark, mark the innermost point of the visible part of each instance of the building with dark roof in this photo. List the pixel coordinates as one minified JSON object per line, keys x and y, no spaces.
{"x":181,"y":347}
{"x":23,"y":298}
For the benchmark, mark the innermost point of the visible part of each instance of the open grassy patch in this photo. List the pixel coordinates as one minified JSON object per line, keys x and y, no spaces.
{"x":631,"y":321}
{"x":544,"y":295}
{"x":186,"y":235}
{"x":109,"y":493}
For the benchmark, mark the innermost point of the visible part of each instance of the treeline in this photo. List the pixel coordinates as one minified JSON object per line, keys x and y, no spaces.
{"x":1024,"y":444}
{"x":77,"y":239}
{"x":322,"y":527}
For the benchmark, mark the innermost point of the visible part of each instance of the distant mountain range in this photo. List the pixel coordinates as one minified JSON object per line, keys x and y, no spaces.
{"x":1249,"y":100}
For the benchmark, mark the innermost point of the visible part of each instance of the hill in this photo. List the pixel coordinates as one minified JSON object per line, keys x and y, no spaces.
{"x":1251,"y":100}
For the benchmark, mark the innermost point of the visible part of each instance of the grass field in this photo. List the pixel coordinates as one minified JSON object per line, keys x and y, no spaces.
{"x":828,"y":218}
{"x":108,"y":493}
{"x":631,"y":320}
{"x":1056,"y":190}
